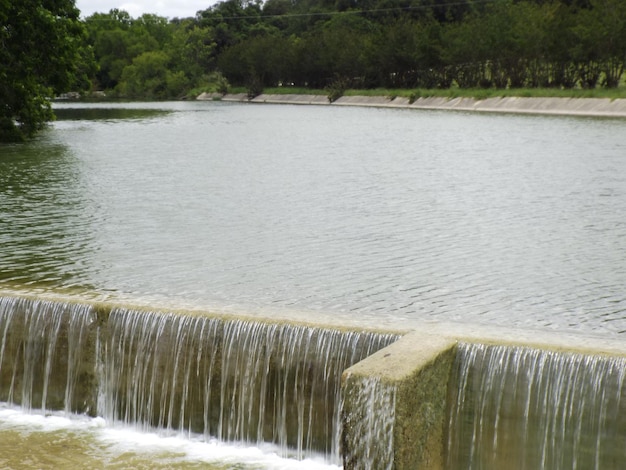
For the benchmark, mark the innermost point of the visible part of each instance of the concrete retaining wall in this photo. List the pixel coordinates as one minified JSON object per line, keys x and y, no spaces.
{"x":395,"y":402}
{"x":598,"y":107}
{"x":419,"y":370}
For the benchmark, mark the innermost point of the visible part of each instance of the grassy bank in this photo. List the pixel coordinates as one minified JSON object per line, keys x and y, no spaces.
{"x":477,"y":93}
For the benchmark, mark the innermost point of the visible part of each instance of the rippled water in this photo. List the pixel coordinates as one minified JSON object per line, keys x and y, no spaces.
{"x":372,"y":216}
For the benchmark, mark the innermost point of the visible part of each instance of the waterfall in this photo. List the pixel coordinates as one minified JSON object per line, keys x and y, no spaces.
{"x":234,"y":380}
{"x":371,"y":420}
{"x":42,"y":344}
{"x":524,"y":408}
{"x":242,"y":381}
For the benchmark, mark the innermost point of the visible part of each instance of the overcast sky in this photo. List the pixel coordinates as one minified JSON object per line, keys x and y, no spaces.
{"x":168,"y":8}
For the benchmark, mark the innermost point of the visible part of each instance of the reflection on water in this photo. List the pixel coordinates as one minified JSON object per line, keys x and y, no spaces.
{"x":105,"y":113}
{"x":45,"y":230}
{"x":376,"y":217}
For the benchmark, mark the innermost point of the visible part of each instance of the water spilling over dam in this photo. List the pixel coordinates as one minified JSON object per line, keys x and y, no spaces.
{"x":525,"y":408}
{"x":236,"y":380}
{"x":420,"y":398}
{"x":369,"y":400}
{"x":522,"y":400}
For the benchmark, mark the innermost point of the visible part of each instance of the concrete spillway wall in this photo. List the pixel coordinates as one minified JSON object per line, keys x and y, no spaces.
{"x":593,"y":107}
{"x":491,"y":399}
{"x":442,"y":397}
{"x":232,"y":378}
{"x":410,"y":434}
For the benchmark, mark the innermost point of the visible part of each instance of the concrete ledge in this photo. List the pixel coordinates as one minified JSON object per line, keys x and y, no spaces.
{"x":414,"y":371}
{"x":398,"y":397}
{"x":557,"y":340}
{"x":600,"y":107}
{"x":376,"y":101}
{"x":291,"y":99}
{"x":594,"y":107}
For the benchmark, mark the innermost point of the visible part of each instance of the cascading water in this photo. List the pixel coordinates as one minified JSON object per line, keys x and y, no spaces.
{"x":372,"y":421}
{"x":240,"y":381}
{"x":42,"y":344}
{"x":523,"y":408}
{"x":234,"y":380}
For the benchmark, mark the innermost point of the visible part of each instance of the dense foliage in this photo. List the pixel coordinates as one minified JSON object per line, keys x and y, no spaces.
{"x":363,"y":44}
{"x":42,"y":53}
{"x":334,"y":44}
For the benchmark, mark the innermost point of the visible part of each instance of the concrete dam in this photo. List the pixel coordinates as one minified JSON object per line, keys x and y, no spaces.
{"x":443,"y":397}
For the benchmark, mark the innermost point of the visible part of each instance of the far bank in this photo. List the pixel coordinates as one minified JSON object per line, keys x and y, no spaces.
{"x":592,"y":107}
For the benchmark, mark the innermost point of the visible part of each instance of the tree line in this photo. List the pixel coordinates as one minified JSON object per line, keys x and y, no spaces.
{"x":47,"y":49}
{"x":362,"y":44}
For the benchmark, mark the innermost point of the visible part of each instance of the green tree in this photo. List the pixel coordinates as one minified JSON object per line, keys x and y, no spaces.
{"x":345,"y":48}
{"x":408,"y":54}
{"x":266,"y":58}
{"x":231,"y":21}
{"x":40,"y":57}
{"x":192,"y":50}
{"x":610,"y":18}
{"x":117,"y":39}
{"x":147,"y":77}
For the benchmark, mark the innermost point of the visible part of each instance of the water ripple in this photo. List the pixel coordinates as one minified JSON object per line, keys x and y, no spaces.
{"x":381,"y":217}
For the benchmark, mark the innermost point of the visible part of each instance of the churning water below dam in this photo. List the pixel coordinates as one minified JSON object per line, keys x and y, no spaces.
{"x":367,"y":218}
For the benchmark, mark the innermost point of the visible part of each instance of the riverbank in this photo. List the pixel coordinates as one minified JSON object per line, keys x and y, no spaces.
{"x":593,"y":107}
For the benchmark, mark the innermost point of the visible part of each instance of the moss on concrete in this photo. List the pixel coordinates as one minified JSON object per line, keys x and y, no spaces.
{"x":418,"y":368}
{"x":421,"y":414}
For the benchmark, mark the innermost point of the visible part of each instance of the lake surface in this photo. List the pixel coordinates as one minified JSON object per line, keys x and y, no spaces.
{"x":374,"y":217}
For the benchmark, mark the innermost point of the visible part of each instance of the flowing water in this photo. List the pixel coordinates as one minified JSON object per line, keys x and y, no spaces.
{"x":54,"y":441}
{"x":240,"y":381}
{"x":206,"y":379}
{"x":372,"y":420}
{"x":350,"y":216}
{"x":522,"y":408}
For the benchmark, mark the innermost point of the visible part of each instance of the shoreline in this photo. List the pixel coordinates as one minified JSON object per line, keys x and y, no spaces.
{"x":589,"y":107}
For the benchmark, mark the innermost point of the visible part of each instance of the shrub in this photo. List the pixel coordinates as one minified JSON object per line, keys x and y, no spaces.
{"x":336,"y":89}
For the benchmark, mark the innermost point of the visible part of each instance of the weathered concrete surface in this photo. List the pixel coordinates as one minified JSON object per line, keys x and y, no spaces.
{"x":291,"y":99}
{"x":372,"y":101}
{"x":221,"y":97}
{"x":598,"y":107}
{"x":418,"y":367}
{"x":555,"y":340}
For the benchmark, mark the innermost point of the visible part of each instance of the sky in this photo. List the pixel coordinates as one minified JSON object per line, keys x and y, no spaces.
{"x":168,"y":8}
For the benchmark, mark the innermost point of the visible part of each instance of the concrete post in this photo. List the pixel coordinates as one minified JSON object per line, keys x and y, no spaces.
{"x":412,"y":377}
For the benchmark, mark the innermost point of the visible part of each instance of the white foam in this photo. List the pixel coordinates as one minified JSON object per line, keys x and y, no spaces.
{"x":120,"y":440}
{"x":39,"y":421}
{"x":116,"y":441}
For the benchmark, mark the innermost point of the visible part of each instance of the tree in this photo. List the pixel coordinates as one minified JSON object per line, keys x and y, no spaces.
{"x":192,"y":49}
{"x":40,"y":56}
{"x":611,"y":20}
{"x":147,"y":77}
{"x":117,"y":39}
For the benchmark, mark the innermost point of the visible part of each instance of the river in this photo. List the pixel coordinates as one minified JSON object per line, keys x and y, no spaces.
{"x":378,"y":217}
{"x":371,"y":217}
